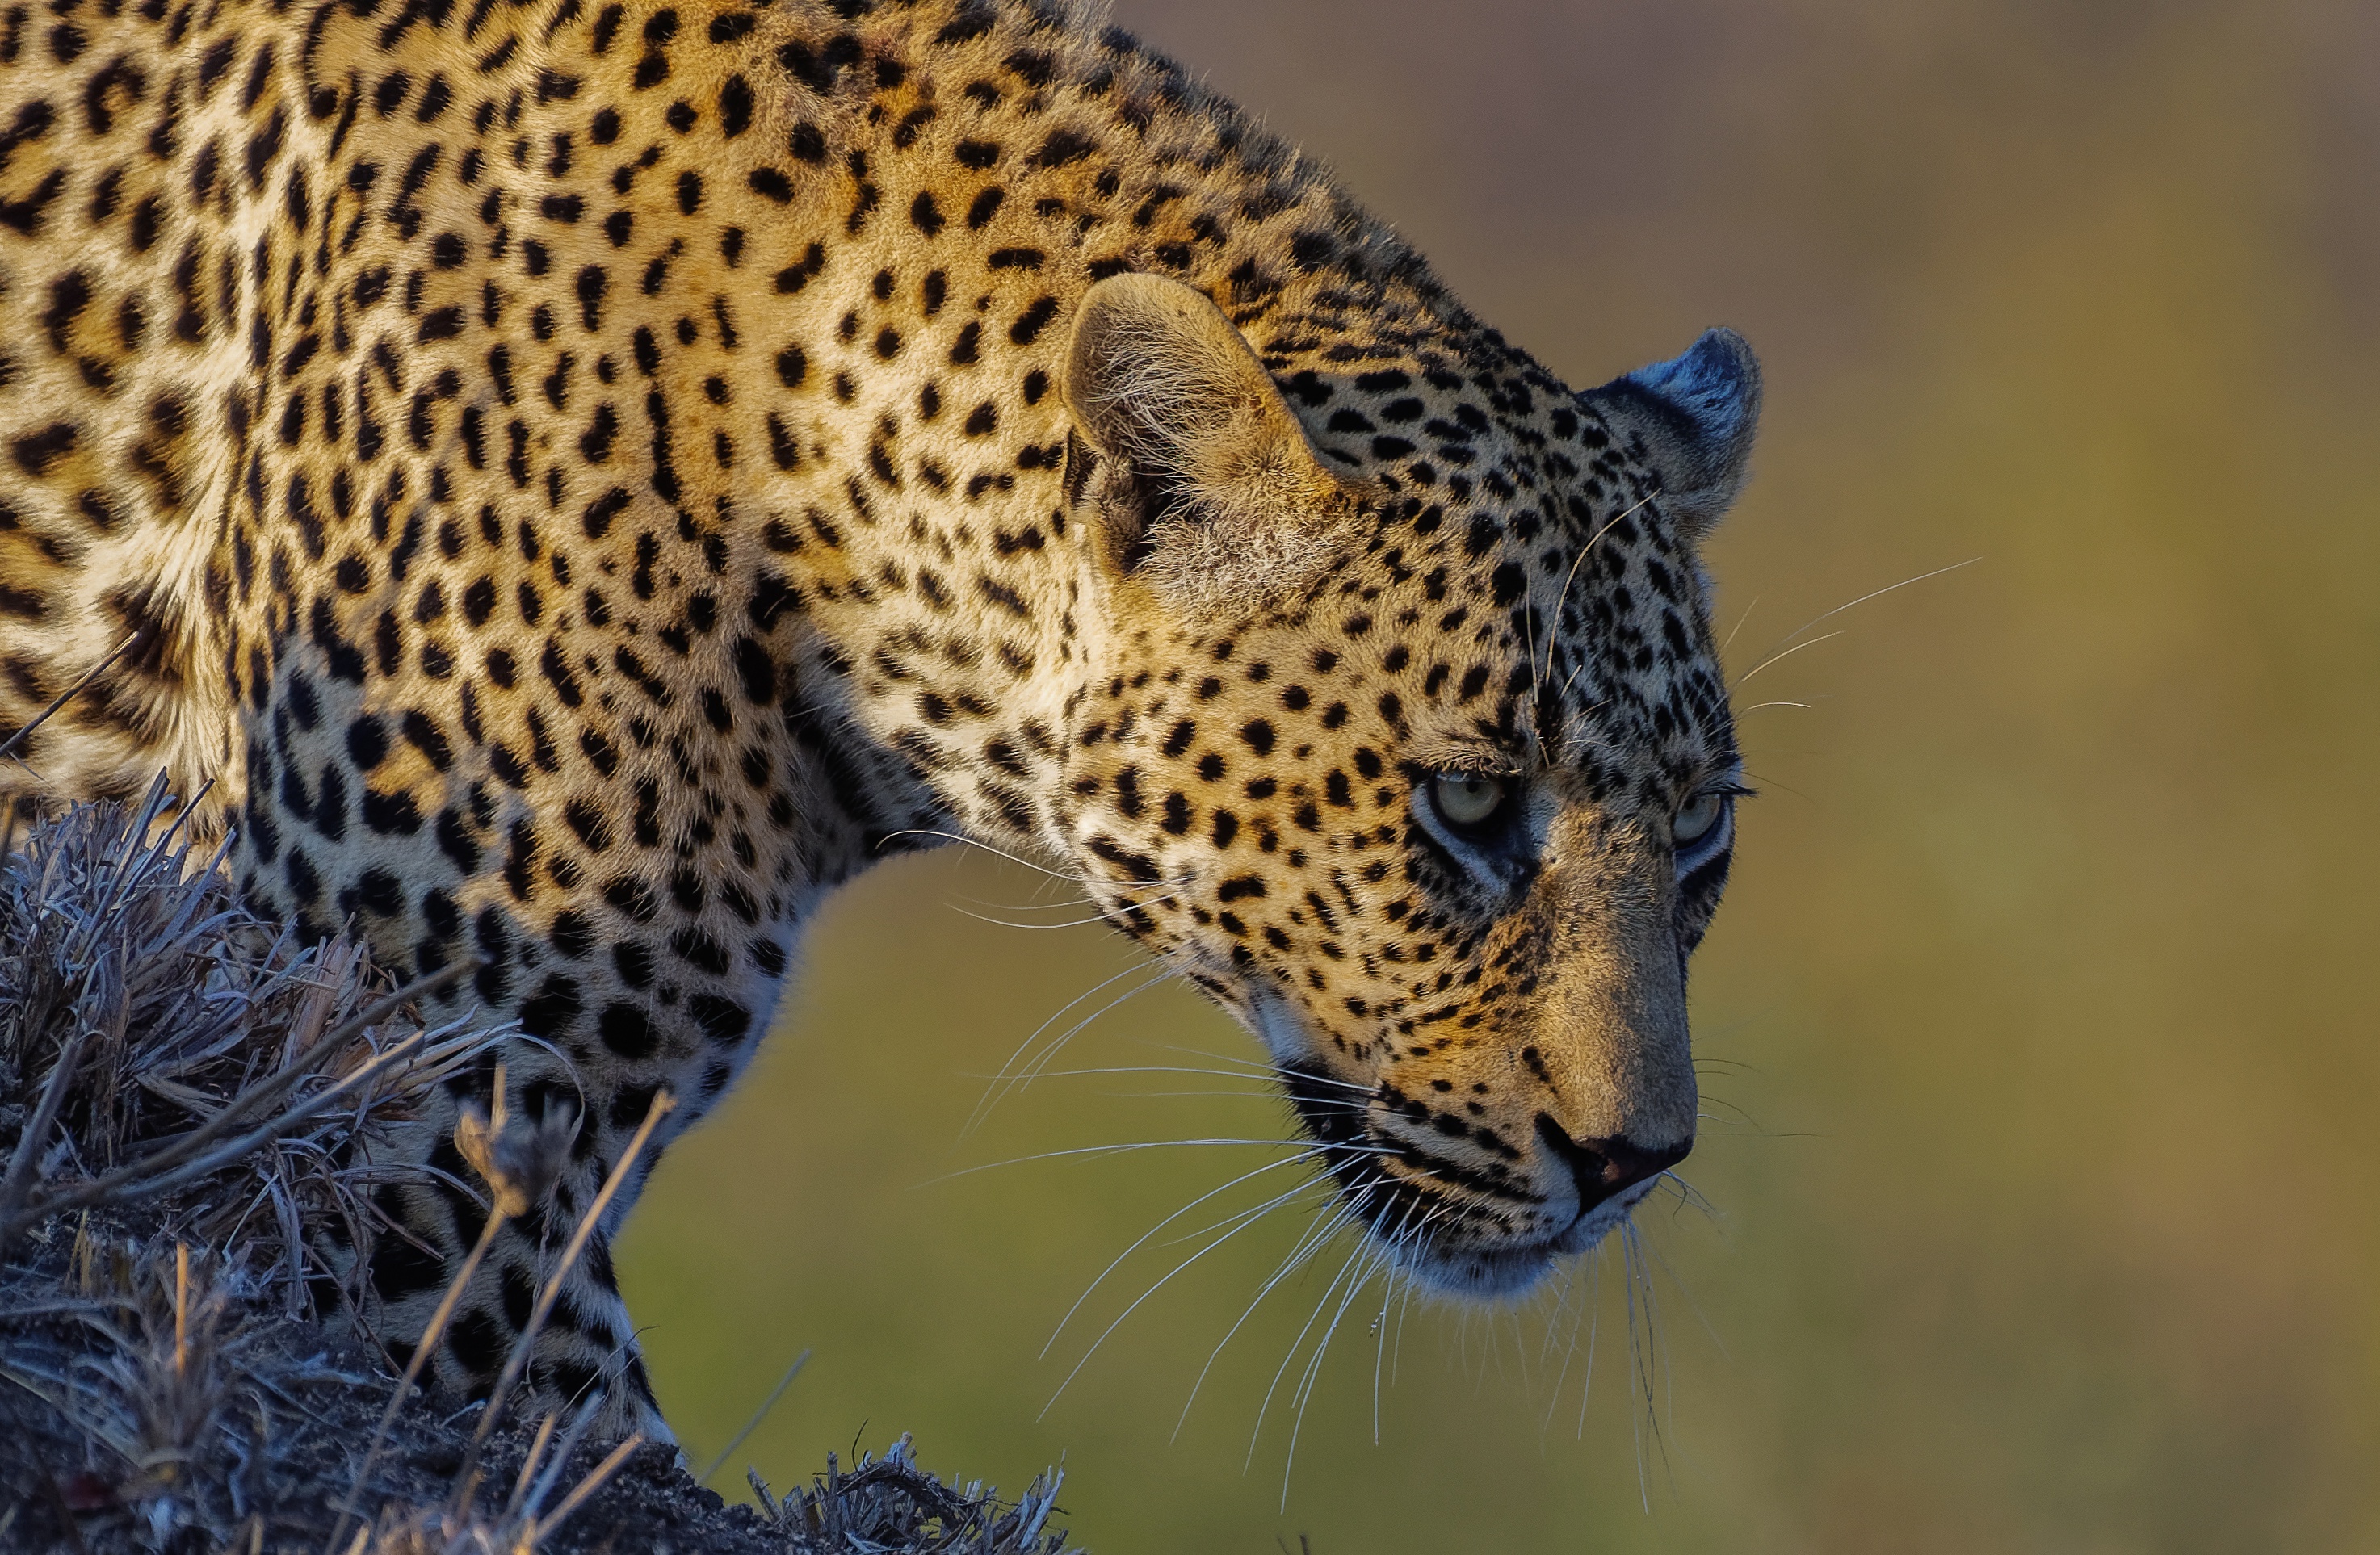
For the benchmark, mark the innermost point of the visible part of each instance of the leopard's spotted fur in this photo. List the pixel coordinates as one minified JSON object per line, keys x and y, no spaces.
{"x":581,"y":479}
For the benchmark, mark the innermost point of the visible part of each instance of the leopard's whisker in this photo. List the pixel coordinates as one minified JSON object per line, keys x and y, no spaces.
{"x":1351,"y":1262}
{"x":1323,"y":1191}
{"x":1259,"y":1073}
{"x":1096,"y":918}
{"x":1144,"y":1144}
{"x":1647,"y":1346}
{"x":1391,"y":1246}
{"x":1383,"y":1251}
{"x":1563,"y":598}
{"x":1728,"y":641}
{"x":1373,"y":1259}
{"x":1074,"y":903}
{"x":1593,"y":1326}
{"x":1005,"y":1081}
{"x":1162,"y":1281}
{"x":1152,"y":1231}
{"x":978,"y":845}
{"x":1341,"y":1212}
{"x":1553,"y":1393}
{"x":1783,"y":654}
{"x":1335,"y":1106}
{"x":1024,"y":1077}
{"x":1793,"y":642}
{"x":1380,"y":1343}
{"x":1690,"y":1194}
{"x":1267,"y":1071}
{"x":1878,"y":594}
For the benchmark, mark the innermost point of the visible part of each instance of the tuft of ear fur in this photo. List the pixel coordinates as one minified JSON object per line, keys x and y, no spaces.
{"x":1692,"y":418}
{"x":1214,"y":495}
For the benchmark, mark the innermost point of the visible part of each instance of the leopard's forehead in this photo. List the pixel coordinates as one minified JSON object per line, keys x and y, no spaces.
{"x":1521,"y":582}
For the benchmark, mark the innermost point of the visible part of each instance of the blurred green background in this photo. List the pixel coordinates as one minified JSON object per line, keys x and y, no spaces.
{"x":2042,"y":1204}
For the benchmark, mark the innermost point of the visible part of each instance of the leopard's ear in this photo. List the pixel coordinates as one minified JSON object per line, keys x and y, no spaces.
{"x":1208,"y":488}
{"x":1692,"y":420}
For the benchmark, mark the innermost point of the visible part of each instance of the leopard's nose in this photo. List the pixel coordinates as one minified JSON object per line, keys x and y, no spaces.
{"x":1604,"y":1167}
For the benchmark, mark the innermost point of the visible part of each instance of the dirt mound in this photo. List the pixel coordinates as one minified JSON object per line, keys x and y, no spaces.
{"x":189,"y":1105}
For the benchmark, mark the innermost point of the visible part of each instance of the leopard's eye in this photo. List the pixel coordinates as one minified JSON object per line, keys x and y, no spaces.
{"x":1468,"y":800}
{"x":1695,"y":817}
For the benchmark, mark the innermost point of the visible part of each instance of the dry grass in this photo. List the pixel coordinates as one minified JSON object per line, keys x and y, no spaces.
{"x":890,"y":1504}
{"x":190,"y":1107}
{"x":155,"y":1040}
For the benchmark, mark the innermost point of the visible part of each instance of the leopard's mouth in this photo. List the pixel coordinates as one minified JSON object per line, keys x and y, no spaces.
{"x":1504,"y":1269}
{"x":1452,"y":1230}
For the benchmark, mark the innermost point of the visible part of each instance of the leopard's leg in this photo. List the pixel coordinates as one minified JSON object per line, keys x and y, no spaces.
{"x":634,"y":910}
{"x":585,"y":1346}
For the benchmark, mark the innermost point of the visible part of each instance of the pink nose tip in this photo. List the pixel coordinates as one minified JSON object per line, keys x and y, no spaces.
{"x":1604,"y":1167}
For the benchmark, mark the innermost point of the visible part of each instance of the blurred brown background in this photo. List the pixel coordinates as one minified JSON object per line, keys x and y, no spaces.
{"x":2045,"y":1192}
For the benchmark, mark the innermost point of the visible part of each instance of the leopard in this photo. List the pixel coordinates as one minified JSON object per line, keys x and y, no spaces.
{"x":557,"y":486}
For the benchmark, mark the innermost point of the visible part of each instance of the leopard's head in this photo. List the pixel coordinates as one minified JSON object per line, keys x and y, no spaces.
{"x":1409,"y":743}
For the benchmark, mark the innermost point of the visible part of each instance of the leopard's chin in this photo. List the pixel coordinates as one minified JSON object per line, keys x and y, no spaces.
{"x":1509,"y":1270}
